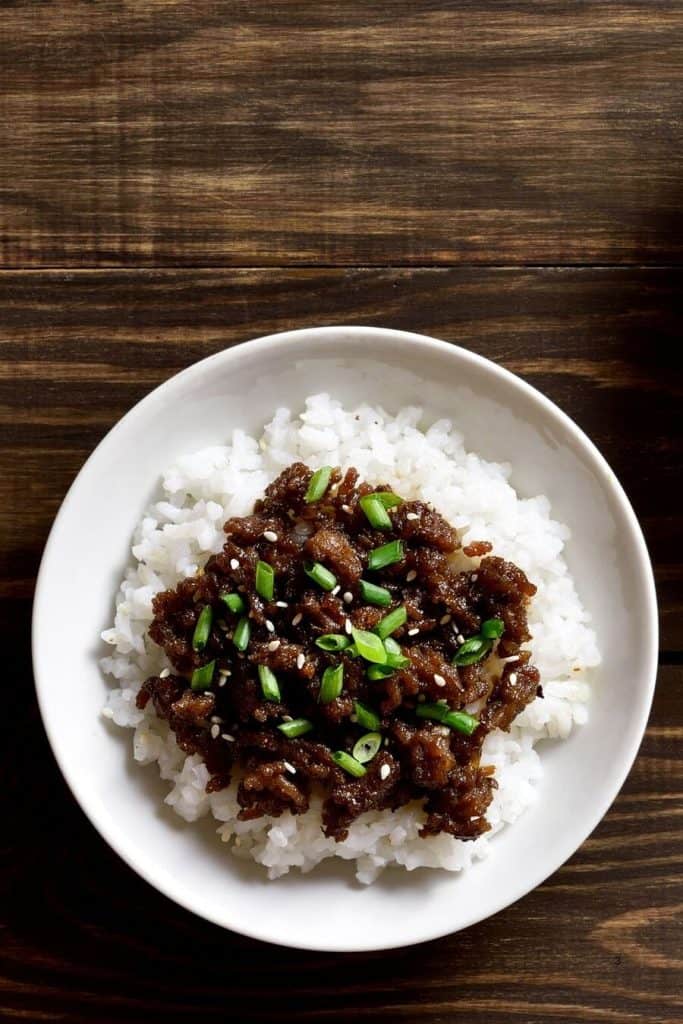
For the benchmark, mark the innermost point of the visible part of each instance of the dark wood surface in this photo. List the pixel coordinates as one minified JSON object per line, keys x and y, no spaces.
{"x":176,"y":177}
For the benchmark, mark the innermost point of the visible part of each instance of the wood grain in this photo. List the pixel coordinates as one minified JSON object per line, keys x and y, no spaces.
{"x":239,"y":132}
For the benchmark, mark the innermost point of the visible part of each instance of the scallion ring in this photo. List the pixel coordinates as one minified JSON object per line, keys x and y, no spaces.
{"x":375,"y":512}
{"x":318,"y":485}
{"x":473,"y":650}
{"x":240,"y":637}
{"x":386,"y":554}
{"x":269,"y":684}
{"x":235,"y":602}
{"x":348,"y":763}
{"x":391,"y":622}
{"x":203,"y":628}
{"x":333,"y":642}
{"x":297,"y":727}
{"x":369,"y":646}
{"x":332,"y":683}
{"x":373,"y":594}
{"x":367,"y":746}
{"x":365,"y":716}
{"x":320,"y":575}
{"x":202,"y":677}
{"x":265,"y":581}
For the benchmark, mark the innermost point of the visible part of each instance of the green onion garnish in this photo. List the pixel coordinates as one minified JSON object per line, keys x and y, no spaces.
{"x":365,"y":716}
{"x":235,"y":602}
{"x":320,"y":575}
{"x":391,"y":622}
{"x":367,"y":746}
{"x":348,"y":763}
{"x":269,"y":683}
{"x":201,"y":677}
{"x":472,"y":650}
{"x":297,"y":727}
{"x":492,"y":629}
{"x":240,"y":637}
{"x":333,"y":642}
{"x":373,"y":594}
{"x":369,"y":646}
{"x":318,"y":484}
{"x":203,"y":628}
{"x":458,"y":720}
{"x":387,"y":498}
{"x":331,"y":685}
{"x":397,"y":661}
{"x":391,"y":646}
{"x":265,"y":581}
{"x":380,"y":671}
{"x":375,"y":512}
{"x":385,"y":555}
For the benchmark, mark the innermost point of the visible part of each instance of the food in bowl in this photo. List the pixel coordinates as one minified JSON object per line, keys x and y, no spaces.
{"x":338,"y":661}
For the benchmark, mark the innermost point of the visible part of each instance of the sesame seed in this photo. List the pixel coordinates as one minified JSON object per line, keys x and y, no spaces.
{"x":439,"y":680}
{"x":297,"y":619}
{"x":238,"y":841}
{"x":385,"y":771}
{"x":290,"y":768}
{"x":386,"y":741}
{"x":412,"y":515}
{"x":269,"y":626}
{"x":513,"y":678}
{"x":270,"y":535}
{"x":412,"y":575}
{"x":442,"y":701}
{"x":227,"y":737}
{"x":215,"y":731}
{"x":165,"y":673}
{"x":515,"y":657}
{"x":273,"y":645}
{"x":216,"y":719}
{"x":222,"y":681}
{"x":474,"y":577}
{"x":300,"y":661}
{"x":346,"y":508}
{"x":234,"y":564}
{"x":414,"y":631}
{"x":280,"y":604}
{"x":460,"y":638}
{"x":287,"y":718}
{"x":335,"y":590}
{"x":444,"y":619}
{"x":224,"y":672}
{"x":107,"y":712}
{"x":348,"y":626}
{"x":348,"y":597}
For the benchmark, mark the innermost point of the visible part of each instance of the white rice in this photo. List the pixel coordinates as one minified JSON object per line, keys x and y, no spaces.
{"x":184,"y":526}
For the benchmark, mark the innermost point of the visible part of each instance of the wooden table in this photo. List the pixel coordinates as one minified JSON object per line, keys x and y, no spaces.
{"x":176,"y":177}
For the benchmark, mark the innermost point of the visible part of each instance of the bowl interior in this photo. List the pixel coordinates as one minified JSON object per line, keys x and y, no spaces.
{"x":502,"y":419}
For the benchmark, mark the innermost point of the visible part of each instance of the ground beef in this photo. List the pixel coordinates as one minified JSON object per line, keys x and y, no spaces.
{"x":231,"y":724}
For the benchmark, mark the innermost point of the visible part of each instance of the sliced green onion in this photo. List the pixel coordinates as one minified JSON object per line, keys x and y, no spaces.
{"x":318,"y":485}
{"x":373,"y":594}
{"x":391,"y":622}
{"x":367,"y":746}
{"x":380,"y":671}
{"x":202,"y":677}
{"x":320,"y":575}
{"x":391,"y":646}
{"x":331,"y":685}
{"x":240,"y":637}
{"x":203,"y":628}
{"x":387,"y":498}
{"x":365,"y":716}
{"x":397,"y":661}
{"x":297,"y":727}
{"x":458,"y":720}
{"x":472,"y":650}
{"x":461,"y":722}
{"x":235,"y":602}
{"x":492,"y":629}
{"x":385,"y":555}
{"x":333,"y":642}
{"x":369,"y":646}
{"x":269,"y":683}
{"x":348,"y":763}
{"x":265,"y":581}
{"x":375,"y":512}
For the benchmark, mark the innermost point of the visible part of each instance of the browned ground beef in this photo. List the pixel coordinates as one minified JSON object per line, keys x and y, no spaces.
{"x":231,"y":723}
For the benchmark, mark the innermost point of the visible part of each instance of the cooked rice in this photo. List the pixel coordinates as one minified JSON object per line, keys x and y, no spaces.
{"x":184,"y":526}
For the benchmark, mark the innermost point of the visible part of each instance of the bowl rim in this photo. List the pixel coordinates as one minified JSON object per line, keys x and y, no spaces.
{"x":281,"y":340}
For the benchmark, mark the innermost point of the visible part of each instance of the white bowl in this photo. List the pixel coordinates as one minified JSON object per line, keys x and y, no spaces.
{"x":502,"y":419}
